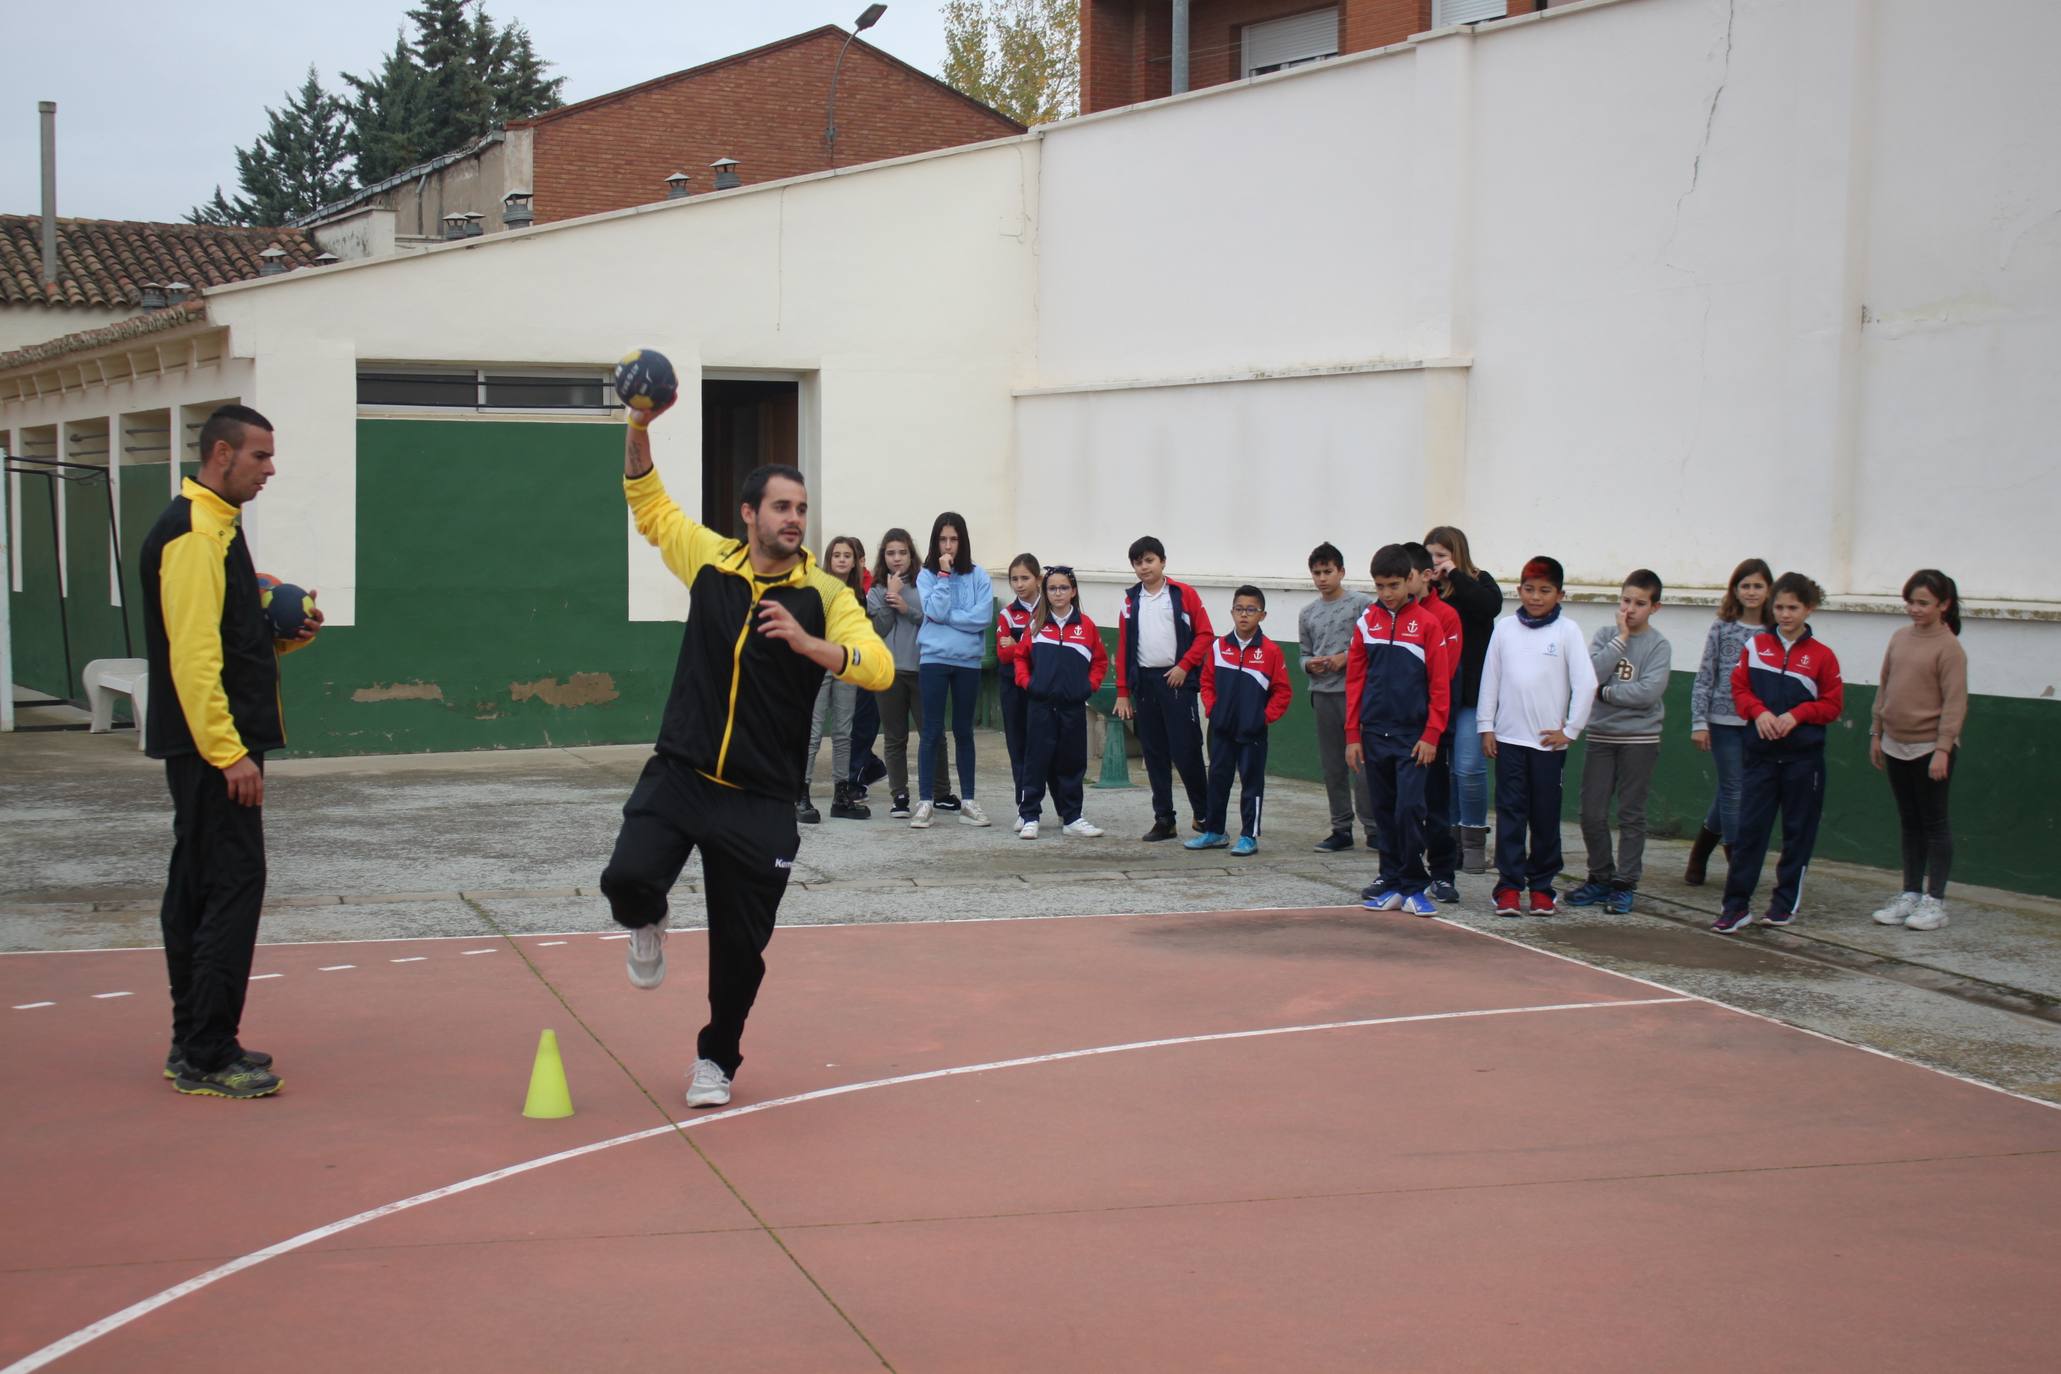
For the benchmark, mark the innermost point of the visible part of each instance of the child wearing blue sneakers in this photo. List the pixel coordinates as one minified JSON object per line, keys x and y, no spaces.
{"x":1632,"y":662}
{"x":1398,"y":694}
{"x":1245,"y":689}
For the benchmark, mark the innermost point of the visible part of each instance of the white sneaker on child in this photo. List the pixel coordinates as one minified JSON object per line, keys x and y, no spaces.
{"x":1026,"y":830}
{"x":1930,"y":915}
{"x":1083,"y":827}
{"x":924,"y":812}
{"x":971,"y":814}
{"x":1895,"y":910}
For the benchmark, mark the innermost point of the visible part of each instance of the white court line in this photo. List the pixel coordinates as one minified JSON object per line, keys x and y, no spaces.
{"x":479,"y":951}
{"x":334,"y":968}
{"x":1742,"y":1011}
{"x":542,"y":943}
{"x":65,"y":1345}
{"x":261,"y":977}
{"x":615,"y":937}
{"x":411,"y":959}
{"x":107,"y":996}
{"x":31,"y":1006}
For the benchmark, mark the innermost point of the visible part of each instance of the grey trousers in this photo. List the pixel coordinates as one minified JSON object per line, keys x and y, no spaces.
{"x":1346,"y":788}
{"x":835,"y":702}
{"x":899,"y":705}
{"x":1626,"y":769}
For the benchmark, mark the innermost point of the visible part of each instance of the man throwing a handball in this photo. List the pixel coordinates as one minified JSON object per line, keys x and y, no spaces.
{"x":766,"y":622}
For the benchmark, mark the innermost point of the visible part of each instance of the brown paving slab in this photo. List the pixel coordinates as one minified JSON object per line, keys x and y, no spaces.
{"x":1775,"y":1272}
{"x":725,"y":1302}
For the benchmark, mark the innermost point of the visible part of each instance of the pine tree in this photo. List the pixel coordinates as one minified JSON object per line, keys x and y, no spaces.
{"x":296,"y":165}
{"x":520,"y":87}
{"x":460,"y":102}
{"x":1020,"y":56}
{"x":390,"y":126}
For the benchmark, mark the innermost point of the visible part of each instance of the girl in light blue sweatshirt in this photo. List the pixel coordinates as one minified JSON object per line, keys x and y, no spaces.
{"x":958,"y":599}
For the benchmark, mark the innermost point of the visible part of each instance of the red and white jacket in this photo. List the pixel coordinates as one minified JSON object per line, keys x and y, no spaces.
{"x":1398,"y":683}
{"x":1244,"y":690}
{"x":1012,"y":620}
{"x":1063,"y":662}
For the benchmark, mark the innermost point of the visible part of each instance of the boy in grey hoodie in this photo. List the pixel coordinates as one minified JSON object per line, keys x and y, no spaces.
{"x":1632,"y":661}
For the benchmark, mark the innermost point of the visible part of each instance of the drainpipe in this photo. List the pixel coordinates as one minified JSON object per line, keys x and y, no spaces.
{"x":1180,"y":46}
{"x":48,"y":110}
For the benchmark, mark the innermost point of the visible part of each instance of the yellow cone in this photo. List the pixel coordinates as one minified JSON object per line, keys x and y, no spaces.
{"x":549,"y":1097}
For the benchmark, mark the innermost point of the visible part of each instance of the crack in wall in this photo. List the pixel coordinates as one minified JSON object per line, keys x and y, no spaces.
{"x":1709,"y":123}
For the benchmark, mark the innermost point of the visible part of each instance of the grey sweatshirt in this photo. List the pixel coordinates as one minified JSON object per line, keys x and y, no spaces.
{"x":1710,"y":701}
{"x":897,"y":628}
{"x":1326,"y":627}
{"x":1631,"y":691}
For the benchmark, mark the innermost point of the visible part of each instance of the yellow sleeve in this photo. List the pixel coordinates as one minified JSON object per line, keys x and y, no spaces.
{"x":191,"y":585}
{"x":868,"y":662}
{"x":687,"y":547}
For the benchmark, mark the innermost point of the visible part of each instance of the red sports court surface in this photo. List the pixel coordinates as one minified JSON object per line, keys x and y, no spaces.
{"x":1456,"y":1154}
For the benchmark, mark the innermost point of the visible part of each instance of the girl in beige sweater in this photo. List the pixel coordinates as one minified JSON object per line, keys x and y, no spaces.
{"x":1920,"y":707}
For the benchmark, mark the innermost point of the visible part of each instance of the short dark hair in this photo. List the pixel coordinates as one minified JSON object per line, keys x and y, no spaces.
{"x":1540,"y":568}
{"x":1145,"y":544}
{"x":1798,"y":586}
{"x":964,"y":562}
{"x":1420,"y":557}
{"x":1327,"y":552}
{"x":1391,"y":560}
{"x":1646,"y":580}
{"x":1249,"y":590}
{"x":227,"y":425}
{"x":755,"y":485}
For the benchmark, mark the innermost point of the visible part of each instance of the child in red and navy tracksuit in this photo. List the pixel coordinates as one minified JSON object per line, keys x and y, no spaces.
{"x":1060,"y":663}
{"x":1441,"y":835}
{"x":1245,"y":689}
{"x":1163,"y":635}
{"x":1011,"y":625}
{"x":1787,"y":687}
{"x":1398,"y":693}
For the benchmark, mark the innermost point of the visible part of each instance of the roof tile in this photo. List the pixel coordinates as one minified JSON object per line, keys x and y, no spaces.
{"x":104,"y":263}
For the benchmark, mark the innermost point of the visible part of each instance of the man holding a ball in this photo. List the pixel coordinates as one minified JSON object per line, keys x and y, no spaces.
{"x":214,"y":694}
{"x":766,"y":621}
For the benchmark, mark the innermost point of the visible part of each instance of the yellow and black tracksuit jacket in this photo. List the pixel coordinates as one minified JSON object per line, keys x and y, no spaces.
{"x":208,"y":639}
{"x":741,"y":703}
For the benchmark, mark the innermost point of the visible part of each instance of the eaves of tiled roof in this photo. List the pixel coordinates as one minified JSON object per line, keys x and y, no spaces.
{"x":121,"y":331}
{"x":103,"y":263}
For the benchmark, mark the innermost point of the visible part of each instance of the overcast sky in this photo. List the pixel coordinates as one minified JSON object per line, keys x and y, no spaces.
{"x":154,"y":97}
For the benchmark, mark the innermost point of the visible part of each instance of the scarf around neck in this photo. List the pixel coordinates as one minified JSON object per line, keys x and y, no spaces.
{"x":1534,"y":622}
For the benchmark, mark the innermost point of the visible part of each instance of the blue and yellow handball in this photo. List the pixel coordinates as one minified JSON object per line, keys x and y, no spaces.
{"x":645,"y":381}
{"x":286,"y":606}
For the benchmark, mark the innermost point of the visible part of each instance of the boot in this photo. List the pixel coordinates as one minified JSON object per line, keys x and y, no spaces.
{"x":846,"y":806}
{"x":1474,"y":849}
{"x":1699,"y":857}
{"x":805,"y":811}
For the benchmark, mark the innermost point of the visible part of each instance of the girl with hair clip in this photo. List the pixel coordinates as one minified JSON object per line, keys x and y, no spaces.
{"x":1025,"y":579}
{"x":1715,"y":726}
{"x":1920,"y":707}
{"x":1060,"y":663}
{"x":843,"y":558}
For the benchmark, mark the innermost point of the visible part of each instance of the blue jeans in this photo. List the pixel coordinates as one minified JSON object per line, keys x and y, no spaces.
{"x":1728,"y":755}
{"x":934,"y":680}
{"x":1470,"y":770}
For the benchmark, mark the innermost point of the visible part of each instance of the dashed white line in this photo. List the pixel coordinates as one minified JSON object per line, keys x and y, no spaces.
{"x":542,"y":943}
{"x":261,"y":977}
{"x":477,"y":951}
{"x":411,"y":959}
{"x":31,"y":1006}
{"x":334,"y":968}
{"x":105,"y":996}
{"x":624,"y":936}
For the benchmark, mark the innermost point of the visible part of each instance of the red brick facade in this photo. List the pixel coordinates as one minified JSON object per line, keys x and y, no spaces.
{"x":765,"y":108}
{"x":1126,"y":44}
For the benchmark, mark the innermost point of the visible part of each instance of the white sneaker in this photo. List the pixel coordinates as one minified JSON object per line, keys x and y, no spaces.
{"x":646,"y":959}
{"x":1930,"y":915}
{"x":924,"y":812}
{"x":708,"y":1086}
{"x":1897,"y":909}
{"x":971,"y":814}
{"x":1081,"y":826}
{"x":1026,"y":830}
{"x":1019,"y":823}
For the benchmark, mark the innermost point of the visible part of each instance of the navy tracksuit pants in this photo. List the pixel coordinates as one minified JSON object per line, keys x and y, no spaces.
{"x":1793,"y":782}
{"x":1246,"y":761}
{"x":1170,"y":734}
{"x":1528,"y":808}
{"x":1441,"y":846}
{"x":1397,"y":782}
{"x":1055,"y":756}
{"x":1015,"y":708}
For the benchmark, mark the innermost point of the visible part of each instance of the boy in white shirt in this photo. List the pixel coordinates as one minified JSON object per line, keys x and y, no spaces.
{"x":1537,"y":688}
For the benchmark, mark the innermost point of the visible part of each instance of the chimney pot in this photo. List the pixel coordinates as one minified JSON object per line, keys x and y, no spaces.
{"x":325,"y":259}
{"x":726,"y":173}
{"x":515,"y":210}
{"x":272,"y":262}
{"x":153,"y":295}
{"x":676,"y":186}
{"x":176,"y":292}
{"x":454,"y":225}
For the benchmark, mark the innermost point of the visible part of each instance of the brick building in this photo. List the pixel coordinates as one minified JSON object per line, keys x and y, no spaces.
{"x":1126,"y":45}
{"x":764,"y":108}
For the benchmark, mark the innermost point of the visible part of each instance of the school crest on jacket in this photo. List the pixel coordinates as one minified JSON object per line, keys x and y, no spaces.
{"x":1244,"y":690}
{"x":1398,"y":682}
{"x":1800,"y":679}
{"x":1191,"y":632}
{"x":1014,"y":621}
{"x":1062,"y":661}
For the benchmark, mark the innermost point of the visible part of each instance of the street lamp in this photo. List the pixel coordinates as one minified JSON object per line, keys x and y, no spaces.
{"x":866,"y":20}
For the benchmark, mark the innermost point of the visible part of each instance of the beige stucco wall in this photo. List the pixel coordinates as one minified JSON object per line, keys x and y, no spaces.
{"x":21,"y":326}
